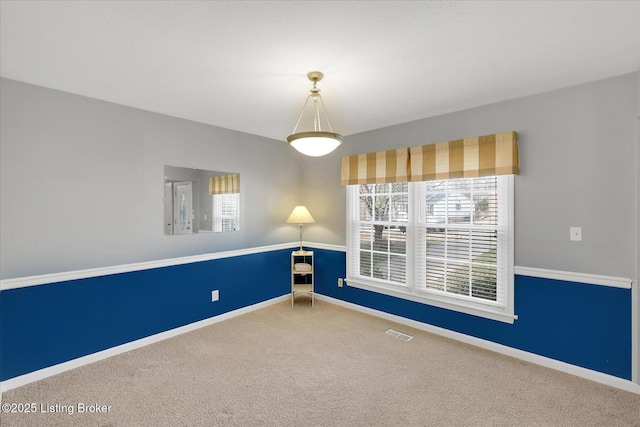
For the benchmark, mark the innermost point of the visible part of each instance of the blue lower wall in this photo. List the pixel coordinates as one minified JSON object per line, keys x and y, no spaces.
{"x":581,"y":324}
{"x":584,"y":325}
{"x":49,"y":324}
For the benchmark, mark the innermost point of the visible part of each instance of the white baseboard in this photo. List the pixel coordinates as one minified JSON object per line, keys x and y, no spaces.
{"x":519,"y":270}
{"x":94,"y":357}
{"x":589,"y":374}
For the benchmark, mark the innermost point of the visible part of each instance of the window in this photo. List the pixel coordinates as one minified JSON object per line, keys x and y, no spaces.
{"x":226,"y":212}
{"x":381,"y":231}
{"x":447,"y":243}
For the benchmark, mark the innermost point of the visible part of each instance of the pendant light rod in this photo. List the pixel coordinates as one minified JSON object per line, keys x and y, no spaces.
{"x":325,"y":114}
{"x":301,"y":114}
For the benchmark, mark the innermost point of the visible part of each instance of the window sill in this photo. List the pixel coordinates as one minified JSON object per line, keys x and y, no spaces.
{"x":446,"y":303}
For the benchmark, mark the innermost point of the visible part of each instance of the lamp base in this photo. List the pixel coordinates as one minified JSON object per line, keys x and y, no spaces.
{"x":300,"y":237}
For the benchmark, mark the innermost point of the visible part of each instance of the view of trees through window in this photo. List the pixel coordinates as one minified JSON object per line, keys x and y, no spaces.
{"x":383,"y":238}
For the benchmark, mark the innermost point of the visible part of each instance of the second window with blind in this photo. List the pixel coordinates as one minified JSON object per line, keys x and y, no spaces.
{"x":447,"y":243}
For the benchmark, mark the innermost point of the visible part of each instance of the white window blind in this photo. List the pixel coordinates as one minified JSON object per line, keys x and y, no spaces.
{"x":226,"y":212}
{"x":460,"y":231}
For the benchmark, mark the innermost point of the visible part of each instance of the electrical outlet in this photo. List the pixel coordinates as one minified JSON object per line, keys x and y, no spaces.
{"x":215,"y":295}
{"x":340,"y":282}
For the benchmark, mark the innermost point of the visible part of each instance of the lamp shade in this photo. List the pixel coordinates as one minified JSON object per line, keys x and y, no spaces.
{"x":300,"y":215}
{"x":315,"y":144}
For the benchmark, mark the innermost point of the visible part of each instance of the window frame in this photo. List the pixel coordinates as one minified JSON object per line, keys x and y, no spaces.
{"x":503,"y":311}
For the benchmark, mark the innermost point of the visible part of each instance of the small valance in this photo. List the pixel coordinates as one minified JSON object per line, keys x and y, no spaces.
{"x":464,"y":158}
{"x":224,"y":184}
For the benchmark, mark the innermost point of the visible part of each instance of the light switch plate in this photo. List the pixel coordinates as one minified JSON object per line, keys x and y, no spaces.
{"x":575,"y":234}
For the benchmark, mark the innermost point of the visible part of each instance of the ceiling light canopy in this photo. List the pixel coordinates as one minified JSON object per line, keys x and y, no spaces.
{"x":316,"y":142}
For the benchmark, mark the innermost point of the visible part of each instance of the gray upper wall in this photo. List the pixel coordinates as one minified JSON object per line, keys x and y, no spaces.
{"x":81,"y":179}
{"x":82,"y":182}
{"x":578,"y":167}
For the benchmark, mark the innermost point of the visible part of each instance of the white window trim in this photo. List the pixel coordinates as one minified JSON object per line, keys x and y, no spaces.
{"x":488,"y":309}
{"x":219,"y":217}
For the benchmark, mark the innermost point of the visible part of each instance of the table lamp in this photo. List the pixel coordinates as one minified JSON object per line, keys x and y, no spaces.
{"x":300,"y":215}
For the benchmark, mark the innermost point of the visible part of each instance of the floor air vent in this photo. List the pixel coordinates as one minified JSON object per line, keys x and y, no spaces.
{"x":399,"y":335}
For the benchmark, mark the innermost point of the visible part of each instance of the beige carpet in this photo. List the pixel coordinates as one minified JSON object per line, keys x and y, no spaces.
{"x":322,"y":366}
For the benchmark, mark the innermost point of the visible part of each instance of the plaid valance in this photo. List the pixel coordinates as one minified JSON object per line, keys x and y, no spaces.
{"x":464,"y":158}
{"x":224,"y":184}
{"x":372,"y":168}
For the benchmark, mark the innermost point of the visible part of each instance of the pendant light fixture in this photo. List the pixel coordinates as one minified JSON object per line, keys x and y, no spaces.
{"x":316,"y":142}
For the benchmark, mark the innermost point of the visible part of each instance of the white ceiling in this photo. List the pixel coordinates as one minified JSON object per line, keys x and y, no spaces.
{"x":242,"y":65}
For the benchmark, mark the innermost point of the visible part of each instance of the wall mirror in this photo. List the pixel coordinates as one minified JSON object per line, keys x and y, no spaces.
{"x":200,"y":201}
